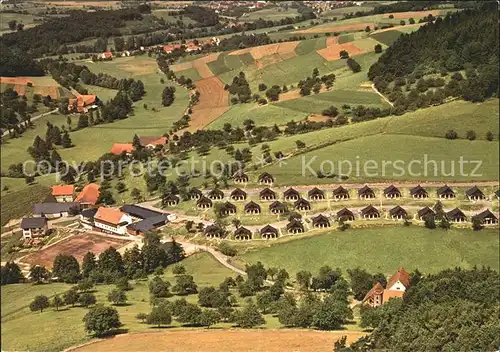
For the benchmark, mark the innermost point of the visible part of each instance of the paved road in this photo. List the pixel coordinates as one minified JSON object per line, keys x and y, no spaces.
{"x":33,"y":119}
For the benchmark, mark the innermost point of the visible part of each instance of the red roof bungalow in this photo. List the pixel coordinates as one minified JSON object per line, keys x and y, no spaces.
{"x":107,"y":55}
{"x":191,"y":46}
{"x":89,"y":195}
{"x":152,"y":141}
{"x":119,"y":148}
{"x":82,"y":103}
{"x":168,"y":48}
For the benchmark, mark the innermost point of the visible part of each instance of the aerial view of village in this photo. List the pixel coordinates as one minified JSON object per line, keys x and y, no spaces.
{"x":222,"y":176}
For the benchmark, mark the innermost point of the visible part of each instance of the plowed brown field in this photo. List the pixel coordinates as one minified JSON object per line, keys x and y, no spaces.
{"x":199,"y":64}
{"x":414,"y":14}
{"x":269,"y":54}
{"x":332,"y":52}
{"x":212,"y":340}
{"x":337,"y":28}
{"x":214,"y":101}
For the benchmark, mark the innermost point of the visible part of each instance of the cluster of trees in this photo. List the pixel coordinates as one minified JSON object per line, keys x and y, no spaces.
{"x":470,"y":135}
{"x":362,"y":113}
{"x":460,"y":305}
{"x":473,"y":47}
{"x":315,"y":83}
{"x":353,"y":65}
{"x":14,"y":109}
{"x":203,"y":15}
{"x":15,"y":62}
{"x":168,"y":96}
{"x":240,"y":88}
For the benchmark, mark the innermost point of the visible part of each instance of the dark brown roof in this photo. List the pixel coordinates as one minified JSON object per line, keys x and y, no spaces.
{"x":365,"y":190}
{"x":267,"y":229}
{"x":344,"y":212}
{"x":295,"y":224}
{"x":33,"y":223}
{"x":240,"y":174}
{"x":398,"y":210}
{"x":267,"y":191}
{"x":315,"y":191}
{"x":320,"y":219}
{"x":426,"y":211}
{"x":238,"y":192}
{"x":277,"y":205}
{"x":170,"y":197}
{"x":204,"y":200}
{"x":300,"y":202}
{"x":340,"y":190}
{"x":417,"y":190}
{"x":455,"y":213}
{"x":474,"y":191}
{"x":229,"y":206}
{"x":242,"y":231}
{"x":213,"y":229}
{"x":487,"y":214}
{"x":444,"y":190}
{"x":290,"y":193}
{"x":391,"y":190}
{"x":252,"y":205}
{"x":195,"y":191}
{"x":369,"y":209}
{"x":216,"y":193}
{"x":265,"y":175}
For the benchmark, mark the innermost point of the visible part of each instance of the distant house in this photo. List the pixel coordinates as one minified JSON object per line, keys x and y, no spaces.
{"x":370,"y":212}
{"x":392,"y":192}
{"x":265,"y":179}
{"x":213,"y":231}
{"x":111,"y":220}
{"x":83,"y":103}
{"x":345,"y":214}
{"x":215,"y":194}
{"x":240,"y":177}
{"x":295,"y":226}
{"x":456,"y":215}
{"x":152,"y":141}
{"x":125,"y":53}
{"x":475,"y":194}
{"x":366,"y":193}
{"x":195,"y":194}
{"x":340,"y":193}
{"x":242,"y":234}
{"x":171,"y":200}
{"x":228,"y":209}
{"x":398,"y":213}
{"x":119,"y":148}
{"x":320,"y":221}
{"x":34,"y":227}
{"x":291,"y":195}
{"x":88,"y":196}
{"x":63,"y":193}
{"x":192,"y":46}
{"x":169,"y":48}
{"x":87,"y":218}
{"x":252,"y":208}
{"x":424,"y":213}
{"x":238,"y":194}
{"x":277,"y":207}
{"x":396,"y":287}
{"x":487,"y":217}
{"x":268,"y":232}
{"x":267,"y":194}
{"x":107,"y":55}
{"x":316,"y":194}
{"x":56,"y":210}
{"x":302,"y":204}
{"x":152,"y":223}
{"x":204,"y":203}
{"x":418,"y":192}
{"x":445,"y":192}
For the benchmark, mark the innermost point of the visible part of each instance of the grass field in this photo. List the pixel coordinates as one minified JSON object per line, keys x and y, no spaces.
{"x":28,"y":21}
{"x":16,"y":204}
{"x":271,"y":14}
{"x":387,"y":37}
{"x":383,"y":250}
{"x":104,"y":94}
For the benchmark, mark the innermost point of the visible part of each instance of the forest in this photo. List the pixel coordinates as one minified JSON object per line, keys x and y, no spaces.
{"x":463,"y":42}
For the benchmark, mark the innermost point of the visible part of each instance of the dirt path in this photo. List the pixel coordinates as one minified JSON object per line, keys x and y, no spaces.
{"x":383,"y":96}
{"x":224,"y":340}
{"x":33,"y":119}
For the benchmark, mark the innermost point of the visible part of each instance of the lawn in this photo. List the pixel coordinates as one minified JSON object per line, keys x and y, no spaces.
{"x":387,"y":37}
{"x":104,"y":94}
{"x":190,"y":73}
{"x":28,"y":21}
{"x":392,"y":157}
{"x":310,"y":45}
{"x":271,"y":14}
{"x":383,"y":250}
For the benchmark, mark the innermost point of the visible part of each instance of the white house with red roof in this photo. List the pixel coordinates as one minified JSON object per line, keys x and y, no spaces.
{"x":112,"y":220}
{"x":107,"y":55}
{"x":395,"y":288}
{"x":63,"y":193}
{"x":88,"y":196}
{"x":83,"y":103}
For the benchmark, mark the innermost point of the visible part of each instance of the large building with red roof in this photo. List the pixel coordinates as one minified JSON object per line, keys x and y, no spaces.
{"x":63,"y":193}
{"x":395,"y":288}
{"x":83,"y":103}
{"x":88,"y":196}
{"x":112,"y":220}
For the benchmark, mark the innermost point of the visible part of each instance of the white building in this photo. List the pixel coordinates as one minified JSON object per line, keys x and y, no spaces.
{"x":112,"y":220}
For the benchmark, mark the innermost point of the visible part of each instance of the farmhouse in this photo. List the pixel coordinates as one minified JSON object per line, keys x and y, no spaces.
{"x":215,"y":194}
{"x":138,"y":212}
{"x":112,"y":220}
{"x":418,"y":192}
{"x":396,"y":287}
{"x":423,"y":213}
{"x":345,"y":214}
{"x":34,"y":227}
{"x":295,"y":226}
{"x":120,"y":148}
{"x":370,"y":212}
{"x":487,"y":217}
{"x":252,"y":208}
{"x":445,"y":192}
{"x":277,"y":207}
{"x":340,"y":193}
{"x":83,"y":103}
{"x":88,"y":196}
{"x":204,"y":203}
{"x":475,"y":194}
{"x":291,"y":195}
{"x":398,"y":213}
{"x":149,"y":224}
{"x":171,"y":200}
{"x":267,"y":194}
{"x":456,"y":215}
{"x":56,"y":210}
{"x":366,"y":193}
{"x":268,"y":232}
{"x":240,"y":177}
{"x":213,"y":231}
{"x":151,"y":142}
{"x":87,"y":217}
{"x":107,"y":55}
{"x":192,"y":46}
{"x":169,"y":48}
{"x":242,"y":233}
{"x":392,"y":192}
{"x":238,"y":194}
{"x":302,"y":204}
{"x":63,"y":193}
{"x":228,"y":209}
{"x":320,"y":221}
{"x":195,"y":194}
{"x":316,"y":194}
{"x":265,"y":178}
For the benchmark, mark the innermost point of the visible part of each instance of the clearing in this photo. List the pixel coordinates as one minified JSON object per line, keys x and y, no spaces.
{"x":225,"y":341}
{"x":28,"y":86}
{"x":337,"y":28}
{"x":214,"y":101}
{"x":77,"y":245}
